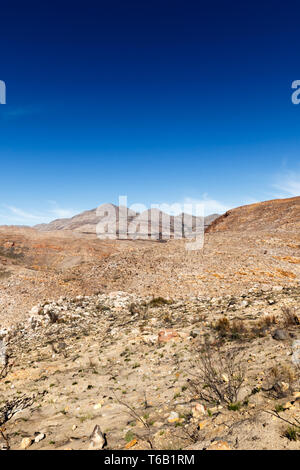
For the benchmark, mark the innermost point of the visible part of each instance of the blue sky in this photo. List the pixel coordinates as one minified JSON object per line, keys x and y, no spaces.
{"x":162,"y":101}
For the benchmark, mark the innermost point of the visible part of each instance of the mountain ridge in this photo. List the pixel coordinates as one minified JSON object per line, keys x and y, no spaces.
{"x":86,"y":221}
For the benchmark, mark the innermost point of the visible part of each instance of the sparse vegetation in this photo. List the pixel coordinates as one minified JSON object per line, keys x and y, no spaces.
{"x":292,"y":433}
{"x":219,"y":376}
{"x":280,"y":379}
{"x":290,"y":316}
{"x":235,"y":330}
{"x":187,"y":377}
{"x":235,"y":406}
{"x":159,"y":301}
{"x":4,"y":273}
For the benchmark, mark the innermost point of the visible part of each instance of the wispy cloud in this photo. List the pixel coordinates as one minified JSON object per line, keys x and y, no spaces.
{"x":196,"y":206}
{"x":211,"y":206}
{"x":288,"y":183}
{"x":203,"y":205}
{"x":13,"y":215}
{"x":23,"y":214}
{"x":60,"y":212}
{"x":214,"y":206}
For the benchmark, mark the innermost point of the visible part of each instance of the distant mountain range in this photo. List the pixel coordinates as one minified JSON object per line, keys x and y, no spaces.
{"x":135,"y":225}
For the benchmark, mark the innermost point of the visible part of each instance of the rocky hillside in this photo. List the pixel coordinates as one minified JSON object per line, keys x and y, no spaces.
{"x":45,"y":265}
{"x":277,"y":214}
{"x":87,"y":221}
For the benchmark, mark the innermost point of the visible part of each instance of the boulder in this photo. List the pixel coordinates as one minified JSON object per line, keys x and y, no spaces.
{"x":166,"y":335}
{"x":280,"y":335}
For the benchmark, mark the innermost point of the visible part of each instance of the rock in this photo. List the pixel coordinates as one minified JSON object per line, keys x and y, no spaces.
{"x":36,"y":310}
{"x":202,"y":424}
{"x":194,"y":333}
{"x":3,"y":333}
{"x":158,"y":424}
{"x":225,"y":378}
{"x":284,"y":386}
{"x":3,"y":354}
{"x":97,"y":406}
{"x":142,"y":445}
{"x":39,"y":437}
{"x":215,"y":409}
{"x":198,"y":411}
{"x":296,"y":353}
{"x":4,"y":446}
{"x":25,"y":443}
{"x":149,"y":339}
{"x":280,"y":335}
{"x":131,"y":444}
{"x":166,"y":335}
{"x":97,"y":439}
{"x":219,"y":445}
{"x":173,"y":417}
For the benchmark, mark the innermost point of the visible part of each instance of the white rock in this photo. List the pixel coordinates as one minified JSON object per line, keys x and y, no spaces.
{"x":277,"y":288}
{"x":39,"y":437}
{"x":25,"y":443}
{"x":198,"y":411}
{"x":173,"y":416}
{"x":97,"y":438}
{"x":36,"y":310}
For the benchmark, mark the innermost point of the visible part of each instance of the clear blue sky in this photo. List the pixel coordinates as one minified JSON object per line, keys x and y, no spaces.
{"x":163,"y":101}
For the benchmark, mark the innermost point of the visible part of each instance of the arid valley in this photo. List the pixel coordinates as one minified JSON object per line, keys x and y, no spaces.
{"x":138,"y":344}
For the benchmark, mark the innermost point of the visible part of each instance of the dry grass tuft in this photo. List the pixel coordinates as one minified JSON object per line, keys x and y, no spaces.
{"x":290,"y":316}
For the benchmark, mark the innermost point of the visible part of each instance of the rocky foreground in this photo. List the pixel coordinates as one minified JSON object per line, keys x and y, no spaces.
{"x":121,"y":371}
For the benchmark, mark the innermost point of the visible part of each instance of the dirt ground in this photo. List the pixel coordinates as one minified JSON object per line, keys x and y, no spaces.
{"x":37,"y":266}
{"x":127,"y":364}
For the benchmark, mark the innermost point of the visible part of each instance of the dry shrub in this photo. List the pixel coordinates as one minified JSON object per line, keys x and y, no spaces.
{"x":219,"y":376}
{"x":267,"y":321}
{"x":10,"y":408}
{"x":134,"y":308}
{"x":277,"y":375}
{"x":262,"y":325}
{"x":290,"y":316}
{"x":238,"y":329}
{"x":222,"y":325}
{"x":292,"y":433}
{"x":230,"y":330}
{"x":159,"y":301}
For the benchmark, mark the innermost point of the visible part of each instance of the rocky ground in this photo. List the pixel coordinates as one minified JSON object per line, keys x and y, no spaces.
{"x":37,"y":266}
{"x":136,"y":370}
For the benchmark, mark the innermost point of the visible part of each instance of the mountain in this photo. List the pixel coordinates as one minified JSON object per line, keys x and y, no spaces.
{"x":133,"y":224}
{"x":277,"y":214}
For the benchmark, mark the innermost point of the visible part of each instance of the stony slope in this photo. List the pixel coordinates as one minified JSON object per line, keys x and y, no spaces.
{"x":277,"y":214}
{"x":45,"y":265}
